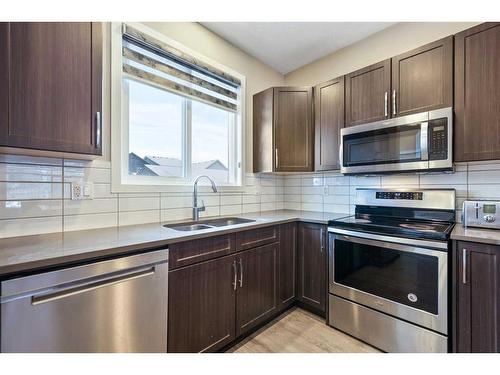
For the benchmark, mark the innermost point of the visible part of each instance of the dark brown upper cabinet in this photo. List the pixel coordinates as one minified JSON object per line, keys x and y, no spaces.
{"x":477,"y":93}
{"x":422,"y":79}
{"x":51,"y":86}
{"x":312,"y":266}
{"x":283,"y":130}
{"x":367,"y":94}
{"x":329,"y":119}
{"x":478,"y":298}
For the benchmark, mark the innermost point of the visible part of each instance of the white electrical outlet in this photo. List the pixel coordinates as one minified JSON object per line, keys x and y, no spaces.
{"x":82,"y":191}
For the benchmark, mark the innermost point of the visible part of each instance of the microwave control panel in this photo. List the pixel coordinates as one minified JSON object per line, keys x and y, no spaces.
{"x":482,"y":214}
{"x":438,"y":139}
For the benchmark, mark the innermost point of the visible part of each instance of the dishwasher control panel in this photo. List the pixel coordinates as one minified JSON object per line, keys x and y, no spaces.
{"x":482,"y":214}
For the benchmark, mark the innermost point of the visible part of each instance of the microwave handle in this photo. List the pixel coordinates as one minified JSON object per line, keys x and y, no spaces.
{"x":424,"y":131}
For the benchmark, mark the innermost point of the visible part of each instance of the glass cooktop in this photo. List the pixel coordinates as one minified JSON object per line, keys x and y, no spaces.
{"x":396,"y":227}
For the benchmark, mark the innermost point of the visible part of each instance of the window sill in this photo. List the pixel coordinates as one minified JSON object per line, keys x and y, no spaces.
{"x":180,"y":188}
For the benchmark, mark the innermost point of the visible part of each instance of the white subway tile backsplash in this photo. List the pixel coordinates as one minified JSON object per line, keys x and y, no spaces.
{"x":477,"y":177}
{"x":35,"y":192}
{"x":175,"y":214}
{"x":90,"y":221}
{"x":30,"y":209}
{"x":30,"y":190}
{"x":29,"y":226}
{"x":33,"y":160}
{"x":96,"y":175}
{"x":90,"y":206}
{"x":337,"y":208}
{"x":457,"y":178}
{"x":233,"y":199}
{"x":30,"y":173}
{"x":126,"y":203}
{"x":138,"y":217}
{"x":231,"y":209}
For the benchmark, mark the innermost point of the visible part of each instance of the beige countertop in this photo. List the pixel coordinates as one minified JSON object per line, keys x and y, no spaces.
{"x":489,"y":236}
{"x":29,"y":253}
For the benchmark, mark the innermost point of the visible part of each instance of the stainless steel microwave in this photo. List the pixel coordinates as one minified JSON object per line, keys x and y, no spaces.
{"x":418,"y":142}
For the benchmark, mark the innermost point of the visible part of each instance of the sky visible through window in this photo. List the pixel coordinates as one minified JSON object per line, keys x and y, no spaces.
{"x":155,"y":126}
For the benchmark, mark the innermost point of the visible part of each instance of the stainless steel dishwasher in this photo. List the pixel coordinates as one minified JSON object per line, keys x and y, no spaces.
{"x":117,"y":305}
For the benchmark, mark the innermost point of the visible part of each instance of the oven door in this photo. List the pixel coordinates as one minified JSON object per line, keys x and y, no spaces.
{"x":405,"y":281}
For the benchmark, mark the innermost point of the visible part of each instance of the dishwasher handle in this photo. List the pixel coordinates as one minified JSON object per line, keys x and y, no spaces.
{"x":89,"y":285}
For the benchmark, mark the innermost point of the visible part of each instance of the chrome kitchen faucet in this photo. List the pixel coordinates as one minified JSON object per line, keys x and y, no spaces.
{"x":196,"y":209}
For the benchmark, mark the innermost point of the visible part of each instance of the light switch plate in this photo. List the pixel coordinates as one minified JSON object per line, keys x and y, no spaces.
{"x":82,"y":191}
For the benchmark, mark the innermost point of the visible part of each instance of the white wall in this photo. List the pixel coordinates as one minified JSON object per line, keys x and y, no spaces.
{"x":389,"y":42}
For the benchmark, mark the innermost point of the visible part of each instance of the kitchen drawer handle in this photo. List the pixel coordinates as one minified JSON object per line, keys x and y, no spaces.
{"x":464,"y":266}
{"x":241,"y":273}
{"x":235,"y":281}
{"x":89,"y":286}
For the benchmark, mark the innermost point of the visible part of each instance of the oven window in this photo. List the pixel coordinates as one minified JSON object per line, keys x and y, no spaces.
{"x":391,"y":145}
{"x":407,"y":278}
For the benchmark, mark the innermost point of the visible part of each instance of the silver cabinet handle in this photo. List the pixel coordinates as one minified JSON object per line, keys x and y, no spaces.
{"x":322,"y":241}
{"x":235,"y":282}
{"x":241,"y":273}
{"x":88,"y":286}
{"x":394,"y":111}
{"x":386,"y":103}
{"x":464,"y":266}
{"x":98,"y":128}
{"x":276,"y":158}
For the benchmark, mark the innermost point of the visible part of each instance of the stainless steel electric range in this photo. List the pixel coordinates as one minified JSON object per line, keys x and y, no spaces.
{"x":388,"y":269}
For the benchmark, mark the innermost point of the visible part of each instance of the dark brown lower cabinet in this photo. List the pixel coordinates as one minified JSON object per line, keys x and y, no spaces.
{"x":287,"y":264}
{"x":312,"y":266}
{"x":201,"y":306}
{"x":256,"y":298}
{"x":477,"y":289}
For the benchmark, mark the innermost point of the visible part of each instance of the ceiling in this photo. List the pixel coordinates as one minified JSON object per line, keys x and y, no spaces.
{"x":286,"y":46}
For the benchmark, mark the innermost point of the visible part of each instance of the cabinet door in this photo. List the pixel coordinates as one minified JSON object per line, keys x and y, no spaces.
{"x":312,"y":265}
{"x":477,"y":93}
{"x":478,"y":302}
{"x":367,"y":94}
{"x":293,"y":129}
{"x":329,"y":119}
{"x":257,"y":287}
{"x":201,"y":301}
{"x":51,"y":74}
{"x":422,"y":78}
{"x":263,"y":149}
{"x":287,"y":286}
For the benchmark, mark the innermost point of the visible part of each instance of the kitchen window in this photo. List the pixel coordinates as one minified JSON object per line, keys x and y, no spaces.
{"x":180,"y":115}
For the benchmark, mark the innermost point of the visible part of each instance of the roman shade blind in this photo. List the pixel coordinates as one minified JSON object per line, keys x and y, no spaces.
{"x":147,"y":59}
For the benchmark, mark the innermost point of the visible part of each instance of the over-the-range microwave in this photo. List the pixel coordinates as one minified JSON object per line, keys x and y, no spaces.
{"x":418,"y":142}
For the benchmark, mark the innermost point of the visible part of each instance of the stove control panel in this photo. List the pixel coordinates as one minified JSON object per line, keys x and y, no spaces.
{"x":408,"y":195}
{"x":482,"y":214}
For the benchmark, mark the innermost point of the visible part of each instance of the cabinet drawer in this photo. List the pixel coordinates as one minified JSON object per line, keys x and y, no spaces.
{"x":257,"y":237}
{"x":190,"y":252}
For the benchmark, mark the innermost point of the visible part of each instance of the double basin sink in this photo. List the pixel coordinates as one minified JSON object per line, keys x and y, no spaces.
{"x":191,"y":226}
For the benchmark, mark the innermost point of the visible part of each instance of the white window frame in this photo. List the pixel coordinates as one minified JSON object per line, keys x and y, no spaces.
{"x":121,"y":181}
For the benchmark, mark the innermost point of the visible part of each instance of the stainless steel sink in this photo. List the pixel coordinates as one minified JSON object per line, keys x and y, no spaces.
{"x":228,"y":221}
{"x":186,"y":227}
{"x":207,"y":224}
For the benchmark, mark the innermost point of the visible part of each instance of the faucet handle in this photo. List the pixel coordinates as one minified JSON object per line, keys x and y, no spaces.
{"x":202,"y":207}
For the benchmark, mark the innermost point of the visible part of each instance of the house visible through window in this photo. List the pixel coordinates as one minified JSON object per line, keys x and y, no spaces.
{"x":181,"y":116}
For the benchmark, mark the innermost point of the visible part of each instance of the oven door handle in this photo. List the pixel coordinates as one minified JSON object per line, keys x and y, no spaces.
{"x":378,"y":238}
{"x":392,"y":246}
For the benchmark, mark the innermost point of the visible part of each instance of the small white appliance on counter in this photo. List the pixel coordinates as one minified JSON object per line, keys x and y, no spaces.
{"x":481,"y":214}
